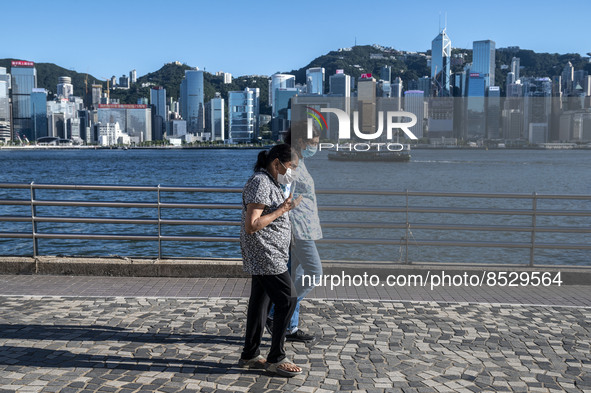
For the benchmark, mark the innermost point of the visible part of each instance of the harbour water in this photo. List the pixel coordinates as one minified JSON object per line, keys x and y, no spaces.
{"x":493,"y":171}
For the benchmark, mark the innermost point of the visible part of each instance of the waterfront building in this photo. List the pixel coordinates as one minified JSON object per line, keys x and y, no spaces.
{"x":414,"y":102}
{"x":39,"y":113}
{"x":243,"y":108}
{"x":110,"y":134}
{"x":215,"y":112}
{"x":493,"y":112}
{"x":24,"y":80}
{"x":192,"y":101}
{"x":315,"y":80}
{"x":159,"y":111}
{"x":5,"y":115}
{"x":134,"y":120}
{"x":440,"y":63}
{"x":65,"y":89}
{"x":366,"y":105}
{"x":475,"y":107}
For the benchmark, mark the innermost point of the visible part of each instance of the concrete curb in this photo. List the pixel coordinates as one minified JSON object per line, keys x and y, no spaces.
{"x":232,"y":268}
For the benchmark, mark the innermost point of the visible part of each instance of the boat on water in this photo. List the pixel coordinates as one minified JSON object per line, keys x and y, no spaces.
{"x":372,"y":155}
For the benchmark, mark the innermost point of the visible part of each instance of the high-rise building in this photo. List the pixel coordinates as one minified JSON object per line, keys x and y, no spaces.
{"x":386,"y":73}
{"x":475,"y":105}
{"x":315,"y":80}
{"x":279,"y":81}
{"x":243,"y":115}
{"x":493,"y":113}
{"x":537,"y":94}
{"x":5,"y":115}
{"x":24,"y":80}
{"x":97,"y":92}
{"x":192,"y":101}
{"x":366,"y":105}
{"x":579,"y":80}
{"x":568,"y":75}
{"x":424,"y":84}
{"x":414,"y":102}
{"x":124,"y":82}
{"x":340,"y":84}
{"x":159,"y":111}
{"x":397,"y":88}
{"x":515,"y":65}
{"x":441,"y":63}
{"x":134,"y":120}
{"x":39,"y":113}
{"x":215,"y":118}
{"x":133,"y":76}
{"x":158,"y":99}
{"x":483,"y":61}
{"x":113,"y":82}
{"x":65,"y":89}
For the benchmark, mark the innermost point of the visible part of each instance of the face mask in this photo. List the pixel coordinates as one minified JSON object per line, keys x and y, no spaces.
{"x":309,"y":151}
{"x":287,"y":178}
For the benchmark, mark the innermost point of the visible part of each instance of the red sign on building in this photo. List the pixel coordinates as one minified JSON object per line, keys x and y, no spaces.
{"x":20,"y":63}
{"x":365,"y":76}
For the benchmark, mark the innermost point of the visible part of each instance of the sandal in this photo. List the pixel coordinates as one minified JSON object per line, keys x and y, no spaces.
{"x":256,"y":362}
{"x":277,"y":369}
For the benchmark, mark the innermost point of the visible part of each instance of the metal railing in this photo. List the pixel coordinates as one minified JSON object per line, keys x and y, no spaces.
{"x":534,"y":212}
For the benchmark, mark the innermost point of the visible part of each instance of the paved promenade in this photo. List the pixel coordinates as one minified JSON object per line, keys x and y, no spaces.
{"x":112,"y":334}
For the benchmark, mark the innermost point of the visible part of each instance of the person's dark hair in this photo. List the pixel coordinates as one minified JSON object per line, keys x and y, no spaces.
{"x":282,"y":151}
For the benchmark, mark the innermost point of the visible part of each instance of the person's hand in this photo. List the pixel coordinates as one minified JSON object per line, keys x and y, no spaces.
{"x":290,"y":203}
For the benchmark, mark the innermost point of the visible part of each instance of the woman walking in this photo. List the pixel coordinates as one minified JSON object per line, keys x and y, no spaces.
{"x":264,"y":240}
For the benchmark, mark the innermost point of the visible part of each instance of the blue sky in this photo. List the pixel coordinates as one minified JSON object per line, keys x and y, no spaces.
{"x":108,"y":37}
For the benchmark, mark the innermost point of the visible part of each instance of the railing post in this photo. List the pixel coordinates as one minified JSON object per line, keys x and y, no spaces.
{"x":33,"y":221}
{"x":407,"y":231}
{"x":533,"y":228}
{"x":159,"y":227}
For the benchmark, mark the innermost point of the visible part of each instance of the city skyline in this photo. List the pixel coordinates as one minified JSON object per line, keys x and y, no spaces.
{"x":205,"y":36}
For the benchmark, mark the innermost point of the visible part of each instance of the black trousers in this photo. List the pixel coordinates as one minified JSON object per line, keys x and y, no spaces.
{"x":279,"y":290}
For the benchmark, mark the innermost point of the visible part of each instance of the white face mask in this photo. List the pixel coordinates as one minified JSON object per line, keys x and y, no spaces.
{"x":287,"y":178}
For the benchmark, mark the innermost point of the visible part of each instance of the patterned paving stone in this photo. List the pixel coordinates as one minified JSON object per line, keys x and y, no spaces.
{"x":119,"y":344}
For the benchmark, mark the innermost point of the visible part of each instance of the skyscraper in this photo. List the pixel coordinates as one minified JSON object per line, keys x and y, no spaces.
{"x":315,"y":80}
{"x":414,"y":102}
{"x":397,"y":88}
{"x":216,"y":118}
{"x":483,"y":61}
{"x":192,"y":101}
{"x":340,"y":84}
{"x":158,"y":101}
{"x":97,"y":92}
{"x":386,"y":73}
{"x":568,"y":74}
{"x":515,"y":64}
{"x":24,"y":80}
{"x":133,"y":76}
{"x":440,"y":63}
{"x":279,"y":81}
{"x":65,"y":89}
{"x":5,"y":134}
{"x":39,"y":113}
{"x":243,"y":110}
